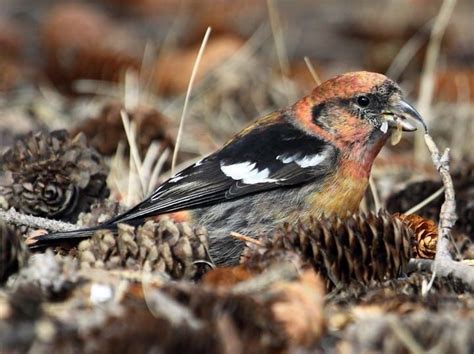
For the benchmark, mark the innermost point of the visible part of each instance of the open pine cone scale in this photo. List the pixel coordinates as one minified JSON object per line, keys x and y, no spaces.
{"x":362,"y":248}
{"x":53,"y":175}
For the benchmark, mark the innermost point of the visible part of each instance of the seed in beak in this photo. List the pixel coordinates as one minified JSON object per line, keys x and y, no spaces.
{"x":397,"y":133}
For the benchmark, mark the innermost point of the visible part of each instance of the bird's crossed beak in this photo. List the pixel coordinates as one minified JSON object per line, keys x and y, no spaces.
{"x":400,"y":115}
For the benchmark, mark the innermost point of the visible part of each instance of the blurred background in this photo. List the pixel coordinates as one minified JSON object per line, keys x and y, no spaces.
{"x":77,"y":64}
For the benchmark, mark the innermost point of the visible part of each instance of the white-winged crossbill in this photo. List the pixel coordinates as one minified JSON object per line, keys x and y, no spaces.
{"x":311,"y":158}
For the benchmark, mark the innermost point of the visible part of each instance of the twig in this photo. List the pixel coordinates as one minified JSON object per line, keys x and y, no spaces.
{"x":407,"y":52}
{"x":186,"y":100}
{"x":131,"y":185}
{"x":130,"y":132}
{"x":424,"y":202}
{"x":181,"y":166}
{"x":12,"y":216}
{"x":275,"y":24}
{"x":375,"y":194}
{"x":427,"y":78}
{"x":157,"y":170}
{"x":314,"y":74}
{"x":147,"y":67}
{"x":131,"y":89}
{"x":444,"y":265}
{"x":448,"y":208}
{"x":432,"y":53}
{"x":116,"y":168}
{"x":246,"y":239}
{"x":151,"y":155}
{"x":168,"y":42}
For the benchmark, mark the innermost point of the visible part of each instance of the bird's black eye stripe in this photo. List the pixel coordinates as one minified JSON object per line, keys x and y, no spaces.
{"x":317,"y":115}
{"x":363,"y":101}
{"x":317,"y":111}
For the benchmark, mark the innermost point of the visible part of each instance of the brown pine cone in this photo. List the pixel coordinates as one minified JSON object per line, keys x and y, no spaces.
{"x":13,"y":253}
{"x":54,"y":176}
{"x":173,"y":69}
{"x":362,"y":248}
{"x":426,"y":234}
{"x":106,"y":64}
{"x":162,"y":246}
{"x":105,"y":131}
{"x":100,"y":212}
{"x":82,"y":42}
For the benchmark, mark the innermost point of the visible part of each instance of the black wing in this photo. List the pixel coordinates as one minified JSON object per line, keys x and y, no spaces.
{"x":272,"y":155}
{"x":268,"y":157}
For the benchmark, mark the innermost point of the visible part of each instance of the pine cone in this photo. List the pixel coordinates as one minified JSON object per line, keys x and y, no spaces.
{"x":13,"y":253}
{"x":361,"y":248}
{"x":54,"y":176}
{"x":81,"y":42}
{"x":105,"y":131}
{"x":164,"y":247}
{"x":426,"y":235}
{"x":173,"y":68}
{"x":100,"y":212}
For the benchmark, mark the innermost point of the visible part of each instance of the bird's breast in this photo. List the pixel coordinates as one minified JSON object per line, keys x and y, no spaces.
{"x":340,"y":194}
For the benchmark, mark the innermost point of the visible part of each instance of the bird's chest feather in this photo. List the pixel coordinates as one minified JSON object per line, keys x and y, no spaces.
{"x":340,"y":194}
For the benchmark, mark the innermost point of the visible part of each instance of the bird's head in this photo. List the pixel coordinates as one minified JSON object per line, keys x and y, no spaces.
{"x":356,"y":110}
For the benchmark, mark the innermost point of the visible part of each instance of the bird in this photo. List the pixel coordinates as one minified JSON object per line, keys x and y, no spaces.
{"x":313,"y":157}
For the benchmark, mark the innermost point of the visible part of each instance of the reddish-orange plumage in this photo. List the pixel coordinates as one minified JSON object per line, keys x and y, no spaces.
{"x":347,"y":85}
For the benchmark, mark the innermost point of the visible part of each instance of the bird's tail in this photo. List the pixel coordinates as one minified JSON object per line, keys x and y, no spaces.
{"x":42,"y":241}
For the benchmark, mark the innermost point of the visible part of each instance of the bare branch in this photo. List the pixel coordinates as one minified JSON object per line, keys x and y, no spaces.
{"x":186,"y":100}
{"x":424,"y":202}
{"x":444,"y":265}
{"x":314,"y":74}
{"x":425,"y":95}
{"x":246,"y":239}
{"x":11,"y":216}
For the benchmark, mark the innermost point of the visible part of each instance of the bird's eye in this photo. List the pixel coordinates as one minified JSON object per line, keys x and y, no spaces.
{"x":363,"y":101}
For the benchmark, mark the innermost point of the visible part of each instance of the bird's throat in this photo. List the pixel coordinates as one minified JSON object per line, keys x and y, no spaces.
{"x":360,"y":158}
